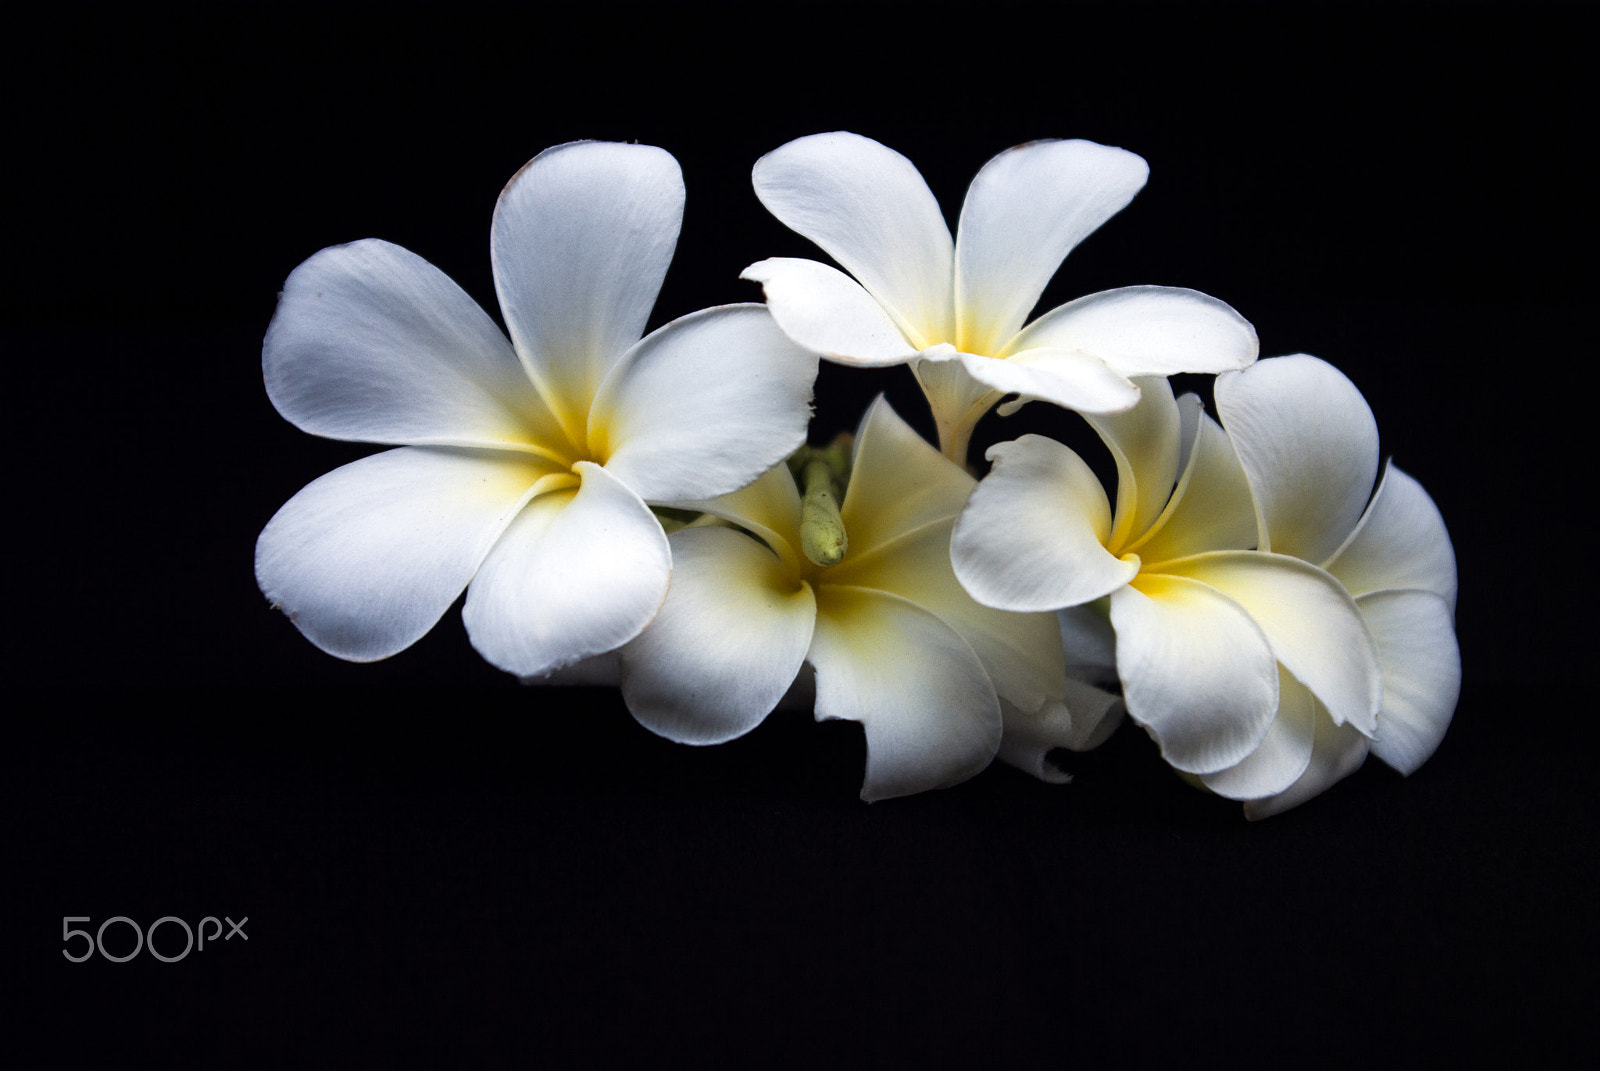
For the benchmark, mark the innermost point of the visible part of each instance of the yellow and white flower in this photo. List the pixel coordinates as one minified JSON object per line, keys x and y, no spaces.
{"x":894,"y":641}
{"x":955,"y":308}
{"x":1221,"y":649}
{"x":523,"y":467}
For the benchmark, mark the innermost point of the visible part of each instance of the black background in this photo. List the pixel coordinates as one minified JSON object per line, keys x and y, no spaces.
{"x":442,"y":866}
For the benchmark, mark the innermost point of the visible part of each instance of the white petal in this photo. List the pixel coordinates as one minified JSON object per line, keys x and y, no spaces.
{"x":581,"y":240}
{"x":367,"y":558}
{"x":577,"y":574}
{"x":704,"y":405}
{"x":1024,"y":212}
{"x":1148,"y":331}
{"x":1283,"y":754}
{"x":1067,"y":378}
{"x":930,"y":713}
{"x":1020,"y":652}
{"x":827,"y":312}
{"x":1032,"y":535}
{"x":1401,"y":542}
{"x":868,"y":208}
{"x":898,"y":483}
{"x":1144,"y":442}
{"x":958,"y":401}
{"x":1211,"y":508}
{"x":371,"y":342}
{"x":725,"y":646}
{"x":769,"y":507}
{"x":1337,"y":752}
{"x":1081,"y":723}
{"x":1309,"y":445}
{"x":1196,"y":671}
{"x":1310,"y":621}
{"x":1416,"y":640}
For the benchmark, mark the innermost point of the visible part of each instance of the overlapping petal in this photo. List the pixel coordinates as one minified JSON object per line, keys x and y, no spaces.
{"x":1284,"y":753}
{"x":727,"y":643}
{"x":1309,"y":446}
{"x":578,"y":573}
{"x":367,"y":558}
{"x":1337,"y":751}
{"x":372,"y":343}
{"x":704,"y":405}
{"x":1067,"y":378}
{"x":1147,"y":331}
{"x":1211,"y":508}
{"x":1310,"y":621}
{"x":1033,"y":534}
{"x":1401,"y":542}
{"x":1416,"y":638}
{"x":869,"y":209}
{"x":1024,"y":212}
{"x":898,"y":483}
{"x":1144,"y":443}
{"x":827,"y":312}
{"x":1196,"y":671}
{"x":581,"y":240}
{"x":930,"y":712}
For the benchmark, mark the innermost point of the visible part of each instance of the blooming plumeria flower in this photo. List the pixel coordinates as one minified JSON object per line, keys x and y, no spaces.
{"x":955,"y":309}
{"x":1309,"y":448}
{"x":1211,"y":638}
{"x":524,"y":466}
{"x":894,"y":641}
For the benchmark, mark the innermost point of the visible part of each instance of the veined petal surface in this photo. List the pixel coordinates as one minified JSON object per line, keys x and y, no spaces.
{"x":1401,"y":542}
{"x":370,"y":342}
{"x":1032,"y":535}
{"x":578,"y":573}
{"x":1416,"y":637}
{"x":1284,"y":753}
{"x":726,"y":645}
{"x":704,"y":405}
{"x":366,"y":559}
{"x":868,"y":208}
{"x":1196,"y":671}
{"x":1024,"y":212}
{"x":827,"y":312}
{"x":1147,"y":331}
{"x":1309,"y":446}
{"x":580,"y":243}
{"x":930,"y":712}
{"x":1310,"y":621}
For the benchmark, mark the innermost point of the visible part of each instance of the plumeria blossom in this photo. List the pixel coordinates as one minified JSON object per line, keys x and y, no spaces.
{"x":894,"y":641}
{"x":1309,"y":448}
{"x":1222,"y":650}
{"x":523,"y":466}
{"x":955,"y":308}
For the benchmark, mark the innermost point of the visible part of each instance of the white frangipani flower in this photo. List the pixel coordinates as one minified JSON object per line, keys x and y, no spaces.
{"x":523,"y":466}
{"x":895,"y":643}
{"x":955,"y":309}
{"x":1309,"y":448}
{"x":1210,"y":636}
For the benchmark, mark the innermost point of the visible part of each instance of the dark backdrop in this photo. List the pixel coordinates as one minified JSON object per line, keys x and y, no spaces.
{"x":441,"y":865}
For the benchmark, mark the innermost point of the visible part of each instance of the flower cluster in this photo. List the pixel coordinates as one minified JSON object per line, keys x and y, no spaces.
{"x":645,"y":511}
